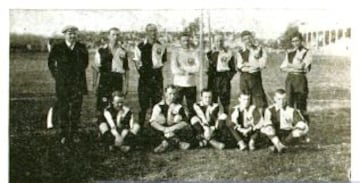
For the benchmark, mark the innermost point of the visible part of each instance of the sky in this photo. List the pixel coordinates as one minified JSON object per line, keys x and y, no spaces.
{"x":266,"y":23}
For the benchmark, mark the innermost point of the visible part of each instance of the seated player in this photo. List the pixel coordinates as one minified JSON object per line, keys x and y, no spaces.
{"x":117,"y":126}
{"x":169,"y":118}
{"x":208,"y":121}
{"x":282,"y":123}
{"x":245,"y":123}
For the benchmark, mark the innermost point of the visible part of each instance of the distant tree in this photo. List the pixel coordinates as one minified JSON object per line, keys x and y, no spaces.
{"x":194,"y":27}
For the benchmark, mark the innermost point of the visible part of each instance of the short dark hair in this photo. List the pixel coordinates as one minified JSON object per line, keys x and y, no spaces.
{"x":298,"y":35}
{"x":205,"y":90}
{"x":280,"y":91}
{"x":113,"y":29}
{"x":150,"y":25}
{"x":245,"y":33}
{"x":117,"y":93}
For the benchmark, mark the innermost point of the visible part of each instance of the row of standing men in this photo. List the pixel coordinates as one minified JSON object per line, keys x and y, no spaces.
{"x":68,"y":61}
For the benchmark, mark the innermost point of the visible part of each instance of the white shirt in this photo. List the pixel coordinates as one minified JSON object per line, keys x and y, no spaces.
{"x":70,"y":45}
{"x":185,"y":64}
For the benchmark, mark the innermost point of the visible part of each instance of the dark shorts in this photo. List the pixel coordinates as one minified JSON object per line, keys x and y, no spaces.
{"x":150,"y":89}
{"x":190,"y":97}
{"x":184,"y":134}
{"x":252,"y":83}
{"x":221,"y":87}
{"x":282,"y":134}
{"x":297,"y":90}
{"x":108,"y":83}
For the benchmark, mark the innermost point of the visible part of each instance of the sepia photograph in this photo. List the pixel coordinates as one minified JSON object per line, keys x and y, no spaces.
{"x":179,"y":95}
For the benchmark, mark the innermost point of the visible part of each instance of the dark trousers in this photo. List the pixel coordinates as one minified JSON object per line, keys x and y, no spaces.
{"x":297,"y":91}
{"x":240,"y":137}
{"x":109,"y":139}
{"x":190,"y":97}
{"x":108,"y":83}
{"x":68,"y":105}
{"x":183,"y":134}
{"x":221,"y":88}
{"x":219,"y":133}
{"x":252,"y":83}
{"x":150,"y":91}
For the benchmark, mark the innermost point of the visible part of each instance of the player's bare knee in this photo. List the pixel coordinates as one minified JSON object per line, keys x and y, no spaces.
{"x":268,"y":131}
{"x":135,"y":129}
{"x":103,"y":127}
{"x":301,"y":129}
{"x":195,"y":120}
{"x":222,"y":117}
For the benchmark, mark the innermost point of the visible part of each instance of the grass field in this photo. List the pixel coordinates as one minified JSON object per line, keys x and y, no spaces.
{"x":34,"y":157}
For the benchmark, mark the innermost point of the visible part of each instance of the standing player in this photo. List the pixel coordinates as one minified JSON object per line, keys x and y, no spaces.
{"x":250,"y":62}
{"x":67,"y":62}
{"x":245,"y":123}
{"x":116,"y":125}
{"x":149,"y":59}
{"x":168,"y":118}
{"x":220,"y":72}
{"x":208,"y":123}
{"x":284,"y":122}
{"x":185,"y":65}
{"x":297,"y":63}
{"x":111,"y":61}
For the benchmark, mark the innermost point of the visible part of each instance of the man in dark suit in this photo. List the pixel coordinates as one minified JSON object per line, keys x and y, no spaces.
{"x":67,"y":62}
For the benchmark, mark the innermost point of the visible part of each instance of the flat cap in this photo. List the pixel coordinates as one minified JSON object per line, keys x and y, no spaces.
{"x":70,"y":28}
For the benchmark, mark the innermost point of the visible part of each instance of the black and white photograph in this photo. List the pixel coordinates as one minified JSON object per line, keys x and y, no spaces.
{"x":235,"y":94}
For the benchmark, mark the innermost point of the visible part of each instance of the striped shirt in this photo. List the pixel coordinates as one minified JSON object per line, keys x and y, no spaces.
{"x":282,"y":118}
{"x":245,"y":117}
{"x":297,"y":61}
{"x":254,"y":59}
{"x":122,"y":118}
{"x":207,"y":113}
{"x":112,"y":62}
{"x":167,"y":112}
{"x":158,"y":54}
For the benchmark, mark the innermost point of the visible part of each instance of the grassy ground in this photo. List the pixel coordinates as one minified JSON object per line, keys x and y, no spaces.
{"x":35,"y":157}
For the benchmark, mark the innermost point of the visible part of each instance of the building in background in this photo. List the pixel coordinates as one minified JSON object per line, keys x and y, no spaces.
{"x":330,"y":38}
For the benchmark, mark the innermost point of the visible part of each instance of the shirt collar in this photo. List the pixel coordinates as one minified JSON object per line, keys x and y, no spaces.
{"x":146,"y":41}
{"x":117,"y":46}
{"x":69,"y":45}
{"x":242,"y":108}
{"x":278,"y":108}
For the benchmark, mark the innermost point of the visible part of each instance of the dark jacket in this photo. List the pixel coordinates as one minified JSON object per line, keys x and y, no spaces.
{"x":68,"y":67}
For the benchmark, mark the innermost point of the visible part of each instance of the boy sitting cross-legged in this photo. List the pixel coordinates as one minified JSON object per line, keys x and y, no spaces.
{"x":116,"y":125}
{"x":246,"y":122}
{"x":208,"y":121}
{"x":168,"y":118}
